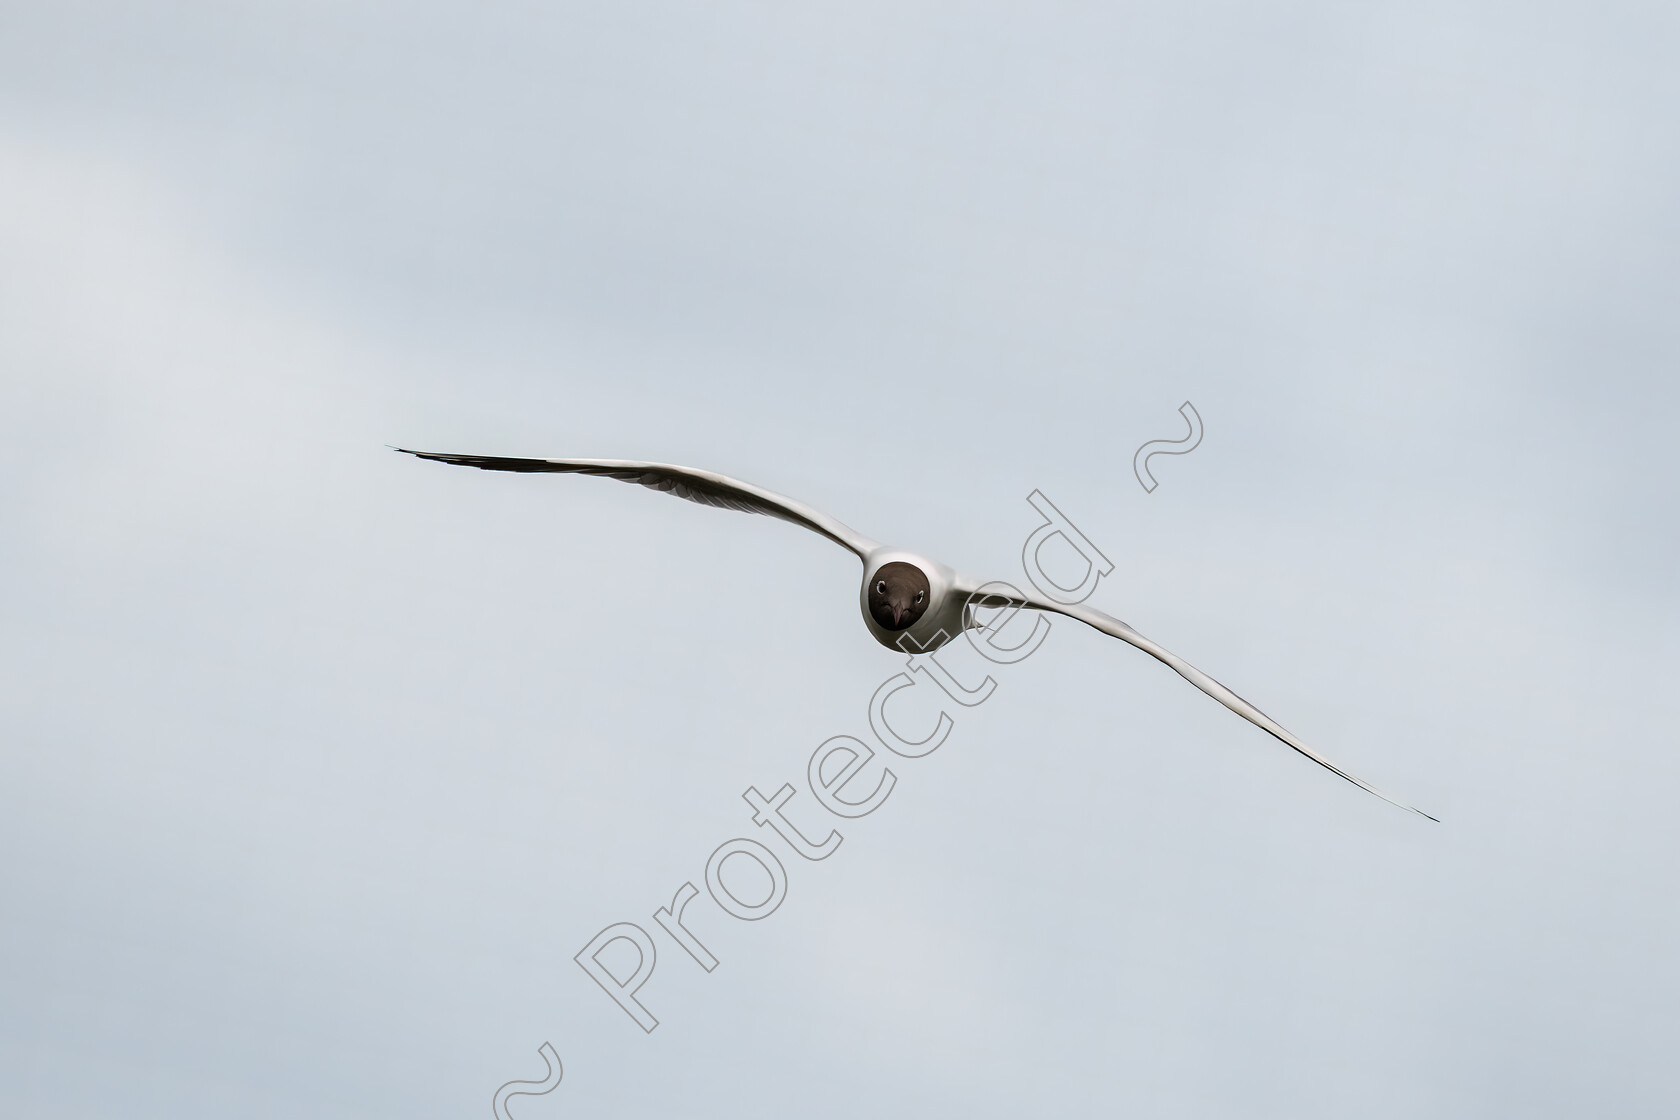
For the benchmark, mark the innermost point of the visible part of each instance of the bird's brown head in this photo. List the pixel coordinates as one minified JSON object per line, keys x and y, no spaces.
{"x":898,"y":595}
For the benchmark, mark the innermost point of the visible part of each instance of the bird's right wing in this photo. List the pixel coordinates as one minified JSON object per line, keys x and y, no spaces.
{"x":689,"y":483}
{"x":1108,"y":624}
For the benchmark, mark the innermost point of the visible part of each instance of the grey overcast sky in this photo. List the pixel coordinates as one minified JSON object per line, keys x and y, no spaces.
{"x":318,"y":763}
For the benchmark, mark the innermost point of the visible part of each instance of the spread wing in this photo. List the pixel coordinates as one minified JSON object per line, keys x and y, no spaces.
{"x":704,"y":487}
{"x":1112,"y":626}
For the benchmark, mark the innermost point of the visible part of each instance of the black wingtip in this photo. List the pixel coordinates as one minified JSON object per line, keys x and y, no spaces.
{"x":1419,"y":812}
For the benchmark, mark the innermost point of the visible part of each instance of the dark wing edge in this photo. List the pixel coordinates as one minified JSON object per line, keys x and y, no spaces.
{"x":704,"y":487}
{"x":1113,"y":627}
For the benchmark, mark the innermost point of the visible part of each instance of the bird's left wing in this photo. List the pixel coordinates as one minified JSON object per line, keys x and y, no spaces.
{"x":689,"y":483}
{"x":986,"y":595}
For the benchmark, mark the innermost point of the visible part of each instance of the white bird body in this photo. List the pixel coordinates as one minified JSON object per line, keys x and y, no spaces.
{"x":910,"y":604}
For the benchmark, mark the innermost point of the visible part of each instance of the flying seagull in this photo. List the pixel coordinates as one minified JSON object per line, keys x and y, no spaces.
{"x":910,"y":603}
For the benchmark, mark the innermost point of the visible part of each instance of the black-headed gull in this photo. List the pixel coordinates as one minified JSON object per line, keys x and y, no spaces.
{"x":910,"y":603}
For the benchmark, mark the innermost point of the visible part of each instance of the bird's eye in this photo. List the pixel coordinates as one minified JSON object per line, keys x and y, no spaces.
{"x":918,"y":596}
{"x":880,"y":587}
